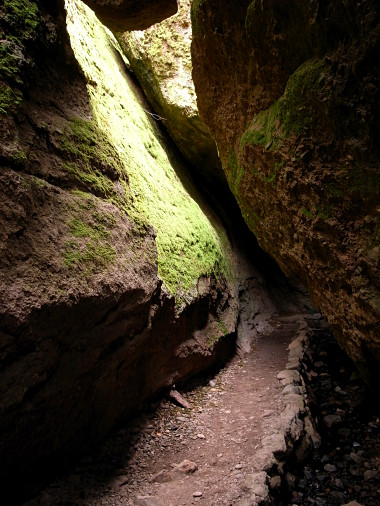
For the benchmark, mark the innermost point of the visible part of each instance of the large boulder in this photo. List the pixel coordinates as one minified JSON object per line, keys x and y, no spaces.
{"x":116,"y":278}
{"x":120,"y":15}
{"x":291,"y":92}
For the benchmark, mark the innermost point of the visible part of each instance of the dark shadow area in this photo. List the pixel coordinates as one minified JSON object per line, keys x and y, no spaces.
{"x":345,"y":467}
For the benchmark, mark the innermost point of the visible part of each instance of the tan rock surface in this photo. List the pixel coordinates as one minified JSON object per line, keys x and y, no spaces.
{"x":161,"y":60}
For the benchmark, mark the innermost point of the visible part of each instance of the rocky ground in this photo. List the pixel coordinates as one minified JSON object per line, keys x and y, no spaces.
{"x":181,"y":456}
{"x":204,"y":453}
{"x":347,"y":465}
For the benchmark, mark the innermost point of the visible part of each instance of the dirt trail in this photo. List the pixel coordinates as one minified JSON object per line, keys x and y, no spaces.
{"x":231,"y":412}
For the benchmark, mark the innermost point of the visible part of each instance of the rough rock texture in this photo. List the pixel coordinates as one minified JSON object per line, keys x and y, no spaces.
{"x":291,"y":93}
{"x":119,"y":15}
{"x":161,"y":60}
{"x":115,"y":277}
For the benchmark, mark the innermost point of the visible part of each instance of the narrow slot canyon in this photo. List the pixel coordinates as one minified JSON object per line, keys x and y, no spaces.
{"x":189,"y":253}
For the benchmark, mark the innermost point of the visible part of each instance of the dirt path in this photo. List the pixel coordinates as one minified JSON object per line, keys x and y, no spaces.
{"x":230,"y":414}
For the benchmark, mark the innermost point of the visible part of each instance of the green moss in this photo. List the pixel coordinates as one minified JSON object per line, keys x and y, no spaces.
{"x":223,"y":328}
{"x":264,"y":129}
{"x":86,"y":200}
{"x":307,"y":213}
{"x":93,"y":258}
{"x":88,"y":249}
{"x":19,"y":20}
{"x":212,"y":340}
{"x":80,"y":229}
{"x":374,"y":233}
{"x":90,"y":155}
{"x":41,"y":183}
{"x":324,"y":211}
{"x":22,"y":16}
{"x":93,"y":179}
{"x":106,"y":219}
{"x":152,"y":185}
{"x":250,"y":15}
{"x":19,"y":157}
{"x":10,"y":99}
{"x":82,"y":139}
{"x":292,"y":113}
{"x":8,"y":63}
{"x":196,"y":6}
{"x":354,"y":189}
{"x":235,"y":173}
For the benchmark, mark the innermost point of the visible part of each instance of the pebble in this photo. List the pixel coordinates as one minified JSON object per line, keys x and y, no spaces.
{"x":331,"y":420}
{"x":345,"y":470}
{"x":370,"y":475}
{"x":212,"y":383}
{"x":197,"y":494}
{"x":186,"y":466}
{"x":239,"y":466}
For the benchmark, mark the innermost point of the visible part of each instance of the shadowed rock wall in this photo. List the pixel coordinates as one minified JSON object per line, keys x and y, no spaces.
{"x":290,"y":92}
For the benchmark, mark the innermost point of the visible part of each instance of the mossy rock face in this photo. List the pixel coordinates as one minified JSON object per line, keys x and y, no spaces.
{"x":19,"y":22}
{"x":161,"y":60}
{"x":109,"y":258}
{"x":281,"y":87}
{"x":190,"y":242}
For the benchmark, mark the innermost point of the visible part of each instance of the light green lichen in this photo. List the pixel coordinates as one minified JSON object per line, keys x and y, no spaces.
{"x":189,"y":242}
{"x":10,"y":99}
{"x":88,"y":248}
{"x":291,"y":113}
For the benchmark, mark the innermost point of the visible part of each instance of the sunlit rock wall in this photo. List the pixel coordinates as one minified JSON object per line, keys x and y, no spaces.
{"x":160,"y":59}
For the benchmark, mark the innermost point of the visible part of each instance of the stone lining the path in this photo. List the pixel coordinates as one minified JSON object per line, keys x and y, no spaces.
{"x":294,"y":434}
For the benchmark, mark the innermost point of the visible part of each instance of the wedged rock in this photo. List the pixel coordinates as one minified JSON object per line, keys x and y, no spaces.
{"x":255,"y":484}
{"x":312,"y":432}
{"x":120,"y":15}
{"x":264,"y":460}
{"x":291,"y":389}
{"x":271,"y":79}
